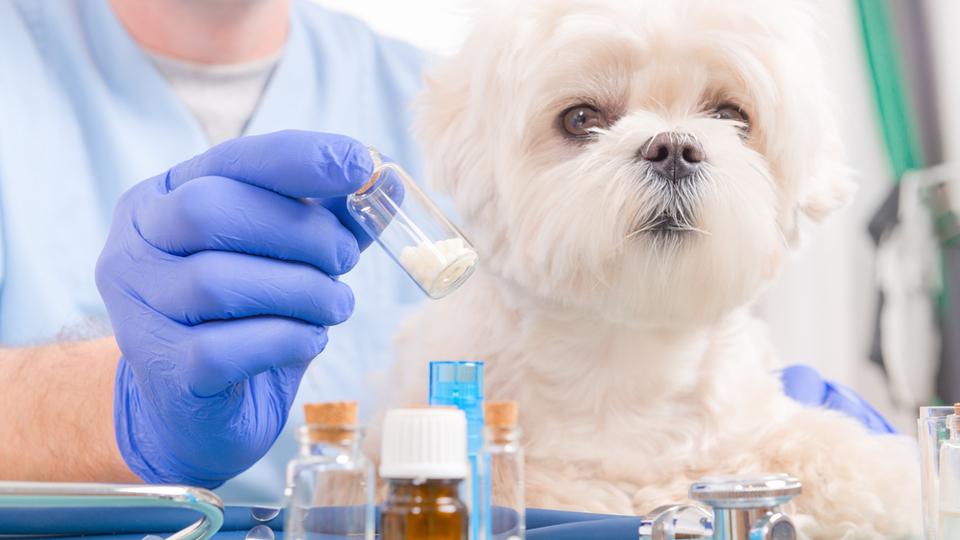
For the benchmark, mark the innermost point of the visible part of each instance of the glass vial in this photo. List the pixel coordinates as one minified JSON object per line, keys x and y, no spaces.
{"x":950,"y":479}
{"x":395,"y":212}
{"x":504,"y":458}
{"x":460,"y":385}
{"x":330,"y":484}
{"x":424,"y":461}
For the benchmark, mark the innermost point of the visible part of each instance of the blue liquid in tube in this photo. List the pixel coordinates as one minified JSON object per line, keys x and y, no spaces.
{"x":460,"y":384}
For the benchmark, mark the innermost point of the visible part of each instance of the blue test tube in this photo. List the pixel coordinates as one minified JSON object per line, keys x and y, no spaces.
{"x":460,"y":384}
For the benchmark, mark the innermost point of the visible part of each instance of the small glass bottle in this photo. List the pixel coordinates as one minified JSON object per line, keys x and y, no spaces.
{"x":950,"y":478}
{"x":424,"y":461}
{"x":504,"y":458}
{"x":330,"y":484}
{"x":395,"y":212}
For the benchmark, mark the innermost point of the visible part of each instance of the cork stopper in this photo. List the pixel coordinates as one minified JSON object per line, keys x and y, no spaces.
{"x":953,"y":422}
{"x":377,"y":164}
{"x":331,"y":413}
{"x":330,"y":421}
{"x":370,"y":183}
{"x":500,"y":414}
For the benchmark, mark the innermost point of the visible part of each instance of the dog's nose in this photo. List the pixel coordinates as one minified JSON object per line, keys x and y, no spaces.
{"x":673,"y":155}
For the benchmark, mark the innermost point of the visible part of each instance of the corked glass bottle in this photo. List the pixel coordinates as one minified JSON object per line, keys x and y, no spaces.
{"x":330,"y":484}
{"x":504,"y":458}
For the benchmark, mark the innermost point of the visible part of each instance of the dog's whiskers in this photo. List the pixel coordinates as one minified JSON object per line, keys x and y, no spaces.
{"x":670,"y":213}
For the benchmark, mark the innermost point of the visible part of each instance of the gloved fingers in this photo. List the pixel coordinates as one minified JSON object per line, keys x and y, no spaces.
{"x":292,"y":163}
{"x":219,"y":285}
{"x":284,"y":383}
{"x":390,"y":183}
{"x":338,"y":207}
{"x":803,"y":384}
{"x":221,"y":354}
{"x":218,"y":213}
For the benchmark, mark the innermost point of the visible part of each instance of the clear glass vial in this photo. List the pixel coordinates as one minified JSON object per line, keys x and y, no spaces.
{"x":424,"y":461}
{"x":949,"y":507}
{"x":330,"y":484}
{"x":504,"y":459}
{"x":934,"y":429}
{"x":394,"y":211}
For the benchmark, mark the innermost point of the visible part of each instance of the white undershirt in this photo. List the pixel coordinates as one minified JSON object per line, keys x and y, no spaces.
{"x":222,"y":97}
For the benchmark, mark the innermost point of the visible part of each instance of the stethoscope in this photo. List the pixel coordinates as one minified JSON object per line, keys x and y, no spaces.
{"x":732,"y":508}
{"x":101,"y":496}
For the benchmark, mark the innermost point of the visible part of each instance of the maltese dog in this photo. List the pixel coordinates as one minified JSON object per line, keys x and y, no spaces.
{"x":633,"y":175}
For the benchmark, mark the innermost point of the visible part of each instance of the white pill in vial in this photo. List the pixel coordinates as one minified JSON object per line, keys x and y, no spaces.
{"x":396,"y":213}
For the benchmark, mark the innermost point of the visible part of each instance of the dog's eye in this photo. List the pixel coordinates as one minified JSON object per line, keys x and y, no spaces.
{"x":579,"y":120}
{"x":729,"y":111}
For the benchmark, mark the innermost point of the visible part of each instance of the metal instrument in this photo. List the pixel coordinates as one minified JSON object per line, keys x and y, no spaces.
{"x":70,"y":495}
{"x":744,"y":508}
{"x":748,"y":508}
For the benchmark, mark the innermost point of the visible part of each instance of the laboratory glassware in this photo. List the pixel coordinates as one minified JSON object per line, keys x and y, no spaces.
{"x":330,"y":484}
{"x":934,"y":430}
{"x":394,"y":211}
{"x":424,"y":461}
{"x":460,"y":384}
{"x":504,"y":459}
{"x":949,"y":496}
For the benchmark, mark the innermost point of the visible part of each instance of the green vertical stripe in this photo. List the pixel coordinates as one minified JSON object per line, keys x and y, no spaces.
{"x":899,"y":133}
{"x":896,"y":122}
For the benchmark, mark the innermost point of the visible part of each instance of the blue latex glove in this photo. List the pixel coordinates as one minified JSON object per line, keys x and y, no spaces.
{"x":803,"y":384}
{"x":219,"y":280}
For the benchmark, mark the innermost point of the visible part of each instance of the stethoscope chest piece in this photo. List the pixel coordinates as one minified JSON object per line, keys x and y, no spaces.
{"x":748,"y":507}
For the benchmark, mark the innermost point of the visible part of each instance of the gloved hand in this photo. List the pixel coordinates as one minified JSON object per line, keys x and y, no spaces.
{"x":219,"y":278}
{"x":803,"y":384}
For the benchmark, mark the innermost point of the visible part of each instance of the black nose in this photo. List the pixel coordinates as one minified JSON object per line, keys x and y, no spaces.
{"x":673,"y":155}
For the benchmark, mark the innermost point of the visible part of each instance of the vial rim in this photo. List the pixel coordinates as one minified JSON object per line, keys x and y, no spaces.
{"x":378,"y":166}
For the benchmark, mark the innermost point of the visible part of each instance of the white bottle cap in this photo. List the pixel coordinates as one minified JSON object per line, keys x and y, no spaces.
{"x":428,"y":443}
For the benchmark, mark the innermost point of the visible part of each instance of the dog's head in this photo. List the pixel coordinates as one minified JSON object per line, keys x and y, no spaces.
{"x":644,"y":160}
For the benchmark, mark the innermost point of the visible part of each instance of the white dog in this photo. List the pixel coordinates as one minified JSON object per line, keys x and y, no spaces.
{"x":632,"y":174}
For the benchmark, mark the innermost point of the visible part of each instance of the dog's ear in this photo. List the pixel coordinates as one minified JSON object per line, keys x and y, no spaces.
{"x":807,"y":137}
{"x":452,"y":139}
{"x":828,"y":188}
{"x":441,"y":110}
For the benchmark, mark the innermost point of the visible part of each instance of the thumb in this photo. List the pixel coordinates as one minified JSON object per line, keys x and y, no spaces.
{"x":390,"y":182}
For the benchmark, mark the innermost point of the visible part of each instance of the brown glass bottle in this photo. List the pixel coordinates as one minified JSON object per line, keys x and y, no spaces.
{"x":424,"y":461}
{"x":424,"y":510}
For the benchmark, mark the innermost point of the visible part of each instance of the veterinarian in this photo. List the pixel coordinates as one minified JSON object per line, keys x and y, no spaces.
{"x":218,"y":276}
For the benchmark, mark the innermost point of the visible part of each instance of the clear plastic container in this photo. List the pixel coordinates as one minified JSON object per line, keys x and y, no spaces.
{"x":395,"y":212}
{"x":330,"y":485}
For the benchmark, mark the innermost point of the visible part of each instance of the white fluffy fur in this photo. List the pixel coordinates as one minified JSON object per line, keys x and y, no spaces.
{"x":632,"y":353}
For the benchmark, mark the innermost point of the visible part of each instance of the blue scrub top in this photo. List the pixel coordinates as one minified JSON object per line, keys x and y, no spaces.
{"x":84,"y":116}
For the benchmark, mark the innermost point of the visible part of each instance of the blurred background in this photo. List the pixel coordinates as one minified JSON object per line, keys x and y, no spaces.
{"x":866,"y":299}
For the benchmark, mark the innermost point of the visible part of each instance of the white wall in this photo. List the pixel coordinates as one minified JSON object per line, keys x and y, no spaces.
{"x":821,"y":309}
{"x":434,"y":25}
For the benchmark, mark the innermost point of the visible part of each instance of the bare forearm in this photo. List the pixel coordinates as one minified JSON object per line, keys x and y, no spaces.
{"x":56,"y":413}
